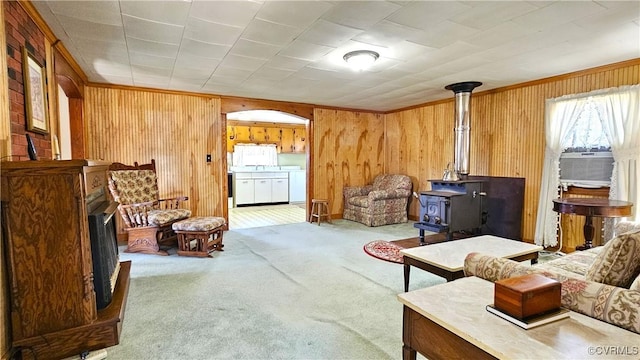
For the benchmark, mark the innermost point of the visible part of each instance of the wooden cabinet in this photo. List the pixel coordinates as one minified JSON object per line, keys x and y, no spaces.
{"x":50,"y":267}
{"x":288,"y":138}
{"x":261,"y":187}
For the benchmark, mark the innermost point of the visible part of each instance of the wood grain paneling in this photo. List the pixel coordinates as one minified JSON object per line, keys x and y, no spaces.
{"x":507,"y":135}
{"x":348,"y":150}
{"x":178,"y":131}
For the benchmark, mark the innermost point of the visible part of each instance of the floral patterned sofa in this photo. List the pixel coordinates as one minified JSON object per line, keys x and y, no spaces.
{"x":603,"y":282}
{"x":381,"y":203}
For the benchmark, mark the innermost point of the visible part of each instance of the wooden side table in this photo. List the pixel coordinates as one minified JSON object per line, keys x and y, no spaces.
{"x":590,"y":207}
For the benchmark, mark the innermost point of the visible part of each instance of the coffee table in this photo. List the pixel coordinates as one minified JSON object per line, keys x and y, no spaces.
{"x":447,"y":259}
{"x":450,"y":321}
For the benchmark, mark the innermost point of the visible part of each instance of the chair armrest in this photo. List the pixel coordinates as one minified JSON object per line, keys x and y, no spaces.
{"x":171,"y":203}
{"x":351,"y":191}
{"x":389,"y":194}
{"x":136,"y":215}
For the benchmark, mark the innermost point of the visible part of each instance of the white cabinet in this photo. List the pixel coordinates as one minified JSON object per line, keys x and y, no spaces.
{"x":261,"y":187}
{"x":297,"y":186}
{"x":280,"y":190}
{"x":244,"y":191}
{"x":262,"y":191}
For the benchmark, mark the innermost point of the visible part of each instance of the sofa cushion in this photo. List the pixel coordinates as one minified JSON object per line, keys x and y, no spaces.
{"x":619,"y":261}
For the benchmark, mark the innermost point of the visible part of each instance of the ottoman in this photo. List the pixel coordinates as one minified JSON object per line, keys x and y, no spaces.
{"x":197,"y":236}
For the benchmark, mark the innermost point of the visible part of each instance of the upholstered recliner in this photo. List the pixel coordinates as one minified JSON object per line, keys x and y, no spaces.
{"x":147,"y":218}
{"x":381,"y":203}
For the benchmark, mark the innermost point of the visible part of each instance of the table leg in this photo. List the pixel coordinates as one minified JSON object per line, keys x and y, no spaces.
{"x":588,"y":231}
{"x":421,"y":237}
{"x":406,"y":277}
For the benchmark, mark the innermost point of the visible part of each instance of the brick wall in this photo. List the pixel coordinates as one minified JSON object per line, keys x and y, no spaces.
{"x":21,"y":32}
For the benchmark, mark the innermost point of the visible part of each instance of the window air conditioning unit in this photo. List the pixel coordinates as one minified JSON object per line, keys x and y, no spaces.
{"x":587,"y":169}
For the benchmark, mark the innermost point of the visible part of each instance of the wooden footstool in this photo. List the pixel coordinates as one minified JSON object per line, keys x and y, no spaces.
{"x":198,"y":236}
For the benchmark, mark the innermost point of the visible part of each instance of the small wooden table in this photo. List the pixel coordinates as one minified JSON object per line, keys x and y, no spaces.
{"x":590,"y":207}
{"x":450,"y":321}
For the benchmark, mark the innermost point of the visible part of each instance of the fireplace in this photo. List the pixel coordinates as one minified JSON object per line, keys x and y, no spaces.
{"x":104,"y":250}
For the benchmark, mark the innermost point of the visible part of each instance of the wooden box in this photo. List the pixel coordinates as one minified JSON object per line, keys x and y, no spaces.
{"x":527,"y":295}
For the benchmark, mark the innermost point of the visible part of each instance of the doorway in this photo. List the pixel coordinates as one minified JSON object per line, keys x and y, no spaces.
{"x":267,"y":168}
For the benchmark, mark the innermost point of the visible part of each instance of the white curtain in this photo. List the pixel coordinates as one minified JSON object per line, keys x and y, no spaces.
{"x":560,"y":116}
{"x":622,"y":123}
{"x":254,"y":154}
{"x":620,"y":113}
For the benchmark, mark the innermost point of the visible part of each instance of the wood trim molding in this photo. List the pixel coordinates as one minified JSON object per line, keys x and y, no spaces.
{"x":264,"y":124}
{"x":233,"y":104}
{"x":5,"y":126}
{"x":146,"y":89}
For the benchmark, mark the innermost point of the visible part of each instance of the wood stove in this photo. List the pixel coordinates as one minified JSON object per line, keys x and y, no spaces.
{"x":450,"y":206}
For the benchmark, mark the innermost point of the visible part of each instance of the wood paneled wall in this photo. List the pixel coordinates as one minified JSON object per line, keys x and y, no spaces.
{"x":348,"y":150}
{"x":507,"y":134}
{"x":178,"y":131}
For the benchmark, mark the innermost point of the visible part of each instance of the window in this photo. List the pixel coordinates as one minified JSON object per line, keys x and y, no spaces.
{"x":252,"y":154}
{"x":587,"y":135}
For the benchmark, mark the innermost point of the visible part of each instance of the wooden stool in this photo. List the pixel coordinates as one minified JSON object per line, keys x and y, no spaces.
{"x":320,"y":208}
{"x":198,"y":236}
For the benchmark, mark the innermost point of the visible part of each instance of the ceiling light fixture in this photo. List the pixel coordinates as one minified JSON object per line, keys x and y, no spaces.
{"x":360,"y":59}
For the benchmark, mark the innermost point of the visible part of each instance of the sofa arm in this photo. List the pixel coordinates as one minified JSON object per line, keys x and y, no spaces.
{"x":389,"y":194}
{"x":615,"y":305}
{"x":351,"y":191}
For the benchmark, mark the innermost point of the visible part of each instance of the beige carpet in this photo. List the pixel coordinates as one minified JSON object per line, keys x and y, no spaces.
{"x":267,"y":215}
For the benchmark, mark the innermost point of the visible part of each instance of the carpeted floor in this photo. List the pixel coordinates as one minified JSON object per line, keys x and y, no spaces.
{"x":296,"y":291}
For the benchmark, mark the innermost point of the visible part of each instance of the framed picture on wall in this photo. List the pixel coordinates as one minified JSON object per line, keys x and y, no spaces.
{"x":35,"y":93}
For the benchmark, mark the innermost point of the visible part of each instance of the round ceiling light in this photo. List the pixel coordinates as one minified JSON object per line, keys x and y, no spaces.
{"x":361,"y":59}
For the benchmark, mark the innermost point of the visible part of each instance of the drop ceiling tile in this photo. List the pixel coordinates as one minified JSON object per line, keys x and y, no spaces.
{"x":110,"y":68}
{"x":109,"y":79}
{"x":150,"y":81}
{"x":442,"y":34}
{"x":244,"y":47}
{"x":191,"y":84}
{"x":212,"y":33}
{"x":191,"y":74}
{"x":488,"y":14}
{"x":242,"y":62}
{"x":82,"y":29}
{"x":216,"y":79}
{"x":139,"y":71}
{"x":425,"y":14}
{"x":270,"y":33}
{"x":100,"y":12}
{"x":238,"y":75}
{"x":151,"y":61}
{"x":387,"y":34}
{"x":169,"y":12}
{"x":194,"y":62}
{"x":360,"y":14}
{"x":300,"y":14}
{"x":152,"y":47}
{"x":500,"y":34}
{"x":198,"y":48}
{"x":151,"y":30}
{"x":108,"y":50}
{"x":326,"y":33}
{"x":304,"y":50}
{"x":286,"y":63}
{"x":406,"y":50}
{"x":556,"y":13}
{"x":234,"y":13}
{"x":271,"y":73}
{"x":605,"y":20}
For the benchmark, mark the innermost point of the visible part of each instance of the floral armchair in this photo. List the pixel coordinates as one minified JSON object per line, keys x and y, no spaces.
{"x":381,"y":203}
{"x":147,"y":218}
